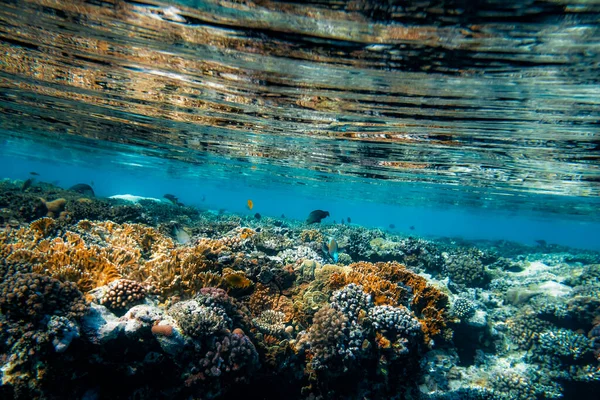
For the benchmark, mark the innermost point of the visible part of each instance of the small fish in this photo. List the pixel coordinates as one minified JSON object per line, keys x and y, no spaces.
{"x":541,"y":242}
{"x":282,"y":215}
{"x":250,"y":204}
{"x":392,"y":226}
{"x":316,"y":216}
{"x":257,"y":216}
{"x":412,"y":227}
{"x":92,"y":183}
{"x":34,"y":173}
{"x":330,"y":248}
{"x":83,"y":188}
{"x":253,"y":168}
{"x":203,"y":198}
{"x":349,"y":220}
{"x":181,"y":234}
{"x":27,"y":184}
{"x":222,"y":211}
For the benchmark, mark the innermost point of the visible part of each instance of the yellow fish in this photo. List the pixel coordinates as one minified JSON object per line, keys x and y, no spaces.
{"x":250,"y":204}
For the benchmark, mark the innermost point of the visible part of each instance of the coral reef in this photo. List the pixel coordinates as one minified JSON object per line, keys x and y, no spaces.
{"x":99,"y":290}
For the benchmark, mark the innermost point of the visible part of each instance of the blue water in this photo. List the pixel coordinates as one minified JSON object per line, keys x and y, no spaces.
{"x":147,"y":176}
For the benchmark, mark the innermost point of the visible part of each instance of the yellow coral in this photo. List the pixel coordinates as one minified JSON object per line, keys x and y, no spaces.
{"x":311,"y":235}
{"x":236,"y":279}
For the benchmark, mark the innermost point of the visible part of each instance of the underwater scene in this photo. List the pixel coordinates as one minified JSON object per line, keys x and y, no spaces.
{"x":312,"y":200}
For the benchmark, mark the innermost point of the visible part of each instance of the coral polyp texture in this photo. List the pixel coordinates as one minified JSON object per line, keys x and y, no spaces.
{"x":103,"y":299}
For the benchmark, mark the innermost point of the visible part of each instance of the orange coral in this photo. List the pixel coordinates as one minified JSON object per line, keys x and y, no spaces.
{"x":387,"y":283}
{"x":42,"y":226}
{"x":268,"y":298}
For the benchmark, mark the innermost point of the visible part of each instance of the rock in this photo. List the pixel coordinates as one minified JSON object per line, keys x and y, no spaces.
{"x":519,"y":295}
{"x":100,"y":325}
{"x":553,"y":289}
{"x":139,"y":318}
{"x":478,"y":320}
{"x":172,"y":340}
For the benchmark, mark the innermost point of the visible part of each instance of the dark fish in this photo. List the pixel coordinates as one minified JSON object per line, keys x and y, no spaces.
{"x":541,"y":242}
{"x":412,"y":227}
{"x":257,"y":216}
{"x":27,"y":184}
{"x":83,"y":188}
{"x":282,"y":215}
{"x":203,"y":198}
{"x":34,"y":173}
{"x":221,"y":211}
{"x":349,"y":220}
{"x":171,"y":198}
{"x":278,"y":223}
{"x":316,"y":216}
{"x":392,"y":226}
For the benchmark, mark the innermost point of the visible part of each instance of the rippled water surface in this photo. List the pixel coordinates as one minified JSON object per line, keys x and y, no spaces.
{"x":490,"y":104}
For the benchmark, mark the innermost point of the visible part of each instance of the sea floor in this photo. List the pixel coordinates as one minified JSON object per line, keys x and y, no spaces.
{"x":143,"y":299}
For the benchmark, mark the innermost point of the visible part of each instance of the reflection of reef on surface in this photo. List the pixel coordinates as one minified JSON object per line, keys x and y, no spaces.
{"x":107,"y":295}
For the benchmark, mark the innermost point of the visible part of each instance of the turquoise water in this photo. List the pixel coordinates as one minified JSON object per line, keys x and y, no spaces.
{"x":432,"y":211}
